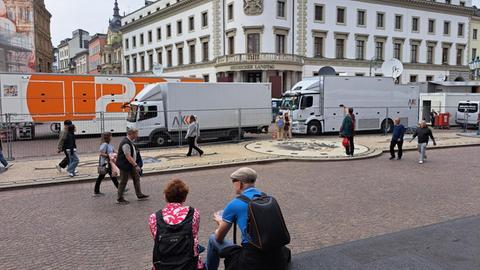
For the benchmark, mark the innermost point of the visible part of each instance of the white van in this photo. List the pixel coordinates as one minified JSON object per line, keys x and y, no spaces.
{"x":467,"y":112}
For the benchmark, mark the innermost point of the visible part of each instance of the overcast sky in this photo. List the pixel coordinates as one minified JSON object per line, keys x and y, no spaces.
{"x":90,"y":15}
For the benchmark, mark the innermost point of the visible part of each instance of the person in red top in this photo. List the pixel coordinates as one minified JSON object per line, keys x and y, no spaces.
{"x":175,"y":213}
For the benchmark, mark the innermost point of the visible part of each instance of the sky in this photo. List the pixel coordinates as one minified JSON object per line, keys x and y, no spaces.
{"x":89,"y":15}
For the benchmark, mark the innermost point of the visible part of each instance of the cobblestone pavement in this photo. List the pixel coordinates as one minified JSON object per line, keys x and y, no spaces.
{"x":64,"y":227}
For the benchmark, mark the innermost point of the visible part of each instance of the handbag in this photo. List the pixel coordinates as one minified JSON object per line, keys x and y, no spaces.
{"x":102,"y":169}
{"x":345,"y":142}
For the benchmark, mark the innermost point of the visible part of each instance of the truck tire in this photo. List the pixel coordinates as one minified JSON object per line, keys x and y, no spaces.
{"x":160,"y":139}
{"x":387,"y":125}
{"x":314,"y":128}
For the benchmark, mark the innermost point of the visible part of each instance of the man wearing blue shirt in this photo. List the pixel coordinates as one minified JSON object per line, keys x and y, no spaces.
{"x":397,"y":139}
{"x":243,"y":181}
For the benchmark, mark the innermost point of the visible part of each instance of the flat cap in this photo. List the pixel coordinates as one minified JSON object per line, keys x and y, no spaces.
{"x":244,"y":175}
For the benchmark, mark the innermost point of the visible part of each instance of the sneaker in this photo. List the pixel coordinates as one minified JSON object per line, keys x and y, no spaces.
{"x":420,"y":162}
{"x":59,"y":169}
{"x":8,"y":166}
{"x":143,"y":197}
{"x":392,"y":158}
{"x":71,"y":174}
{"x":122,"y":201}
{"x":76,"y":172}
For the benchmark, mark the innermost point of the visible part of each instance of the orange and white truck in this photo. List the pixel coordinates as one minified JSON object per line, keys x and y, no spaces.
{"x":95,"y":103}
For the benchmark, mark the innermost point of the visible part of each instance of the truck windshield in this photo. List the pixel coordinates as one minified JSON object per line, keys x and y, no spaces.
{"x":468,"y":107}
{"x":132,"y":113}
{"x":290,"y":103}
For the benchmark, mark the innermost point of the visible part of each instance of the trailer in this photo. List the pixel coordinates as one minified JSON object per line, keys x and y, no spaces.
{"x":161,"y":111}
{"x":317,"y":105}
{"x":95,"y":103}
{"x":462,"y":107}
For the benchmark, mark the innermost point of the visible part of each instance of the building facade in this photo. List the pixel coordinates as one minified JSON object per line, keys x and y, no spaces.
{"x":112,"y":54}
{"x":56,"y":61}
{"x":283,"y":41}
{"x":96,"y":49}
{"x":25,"y":41}
{"x":81,"y":63}
{"x":69,"y":49}
{"x":63,"y":57}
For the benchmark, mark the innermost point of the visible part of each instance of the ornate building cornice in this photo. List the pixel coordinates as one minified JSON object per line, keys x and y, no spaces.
{"x":426,"y":5}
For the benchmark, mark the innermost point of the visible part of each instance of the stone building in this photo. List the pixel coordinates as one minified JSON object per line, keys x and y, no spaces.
{"x":112,"y":53}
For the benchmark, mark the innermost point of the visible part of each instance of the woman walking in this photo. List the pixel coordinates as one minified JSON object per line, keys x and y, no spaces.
{"x":71,"y":148}
{"x":107,"y":153}
{"x":288,"y":126}
{"x":347,"y":130}
{"x":192,"y":133}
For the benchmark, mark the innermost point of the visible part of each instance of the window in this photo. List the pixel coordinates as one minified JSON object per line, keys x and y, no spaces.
{"x":134,"y":42}
{"x":253,"y":43}
{"x":475,"y":34}
{"x":445,"y":52}
{"x":459,"y":56}
{"x":361,"y":17}
{"x":462,"y":3}
{"x":179,"y":27}
{"x":280,"y":43}
{"x":206,"y":78}
{"x":159,"y":33}
{"x":448,"y":1}
{"x":231,"y":45}
{"x":379,"y":50}
{"x":281,"y":8}
{"x":398,"y":22}
{"x":397,"y":50}
{"x":205,"y":19}
{"x":429,"y":78}
{"x":340,"y":15}
{"x":150,"y":37}
{"x":340,"y":48}
{"x":430,"y":54}
{"x":147,"y":112}
{"x":319,"y":13}
{"x":191,"y":23}
{"x":169,"y":30}
{"x":141,"y":39}
{"x":126,"y":44}
{"x":415,"y":22}
{"x":169,"y":58}
{"x":318,"y":47}
{"x":474,"y":53}
{"x":205,"y":51}
{"x":192,"y":53}
{"x":150,"y":61}
{"x":360,"y":50}
{"x":460,"y":29}
{"x":307,"y":102}
{"x":380,"y":20}
{"x":127,"y":64}
{"x":180,"y":56}
{"x":413,"y":78}
{"x":230,"y":11}
{"x":159,"y":57}
{"x":446,"y":28}
{"x":414,"y":53}
{"x":431,"y":26}
{"x":142,"y":62}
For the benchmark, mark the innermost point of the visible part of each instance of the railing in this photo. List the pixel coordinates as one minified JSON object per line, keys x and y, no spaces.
{"x":259,"y":57}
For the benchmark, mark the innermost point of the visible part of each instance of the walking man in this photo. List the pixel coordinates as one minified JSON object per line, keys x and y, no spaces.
{"x":397,"y":139}
{"x":126,"y":162}
{"x":423,"y":133}
{"x":61,"y":146}
{"x":347,"y":130}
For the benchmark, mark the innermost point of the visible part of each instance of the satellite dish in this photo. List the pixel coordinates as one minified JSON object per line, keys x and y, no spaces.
{"x":392,"y":68}
{"x":327,"y":71}
{"x":440,"y":78}
{"x":157,"y":69}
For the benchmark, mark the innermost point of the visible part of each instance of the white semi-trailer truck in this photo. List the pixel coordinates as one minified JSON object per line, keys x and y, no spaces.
{"x":161,"y":111}
{"x":317,"y":104}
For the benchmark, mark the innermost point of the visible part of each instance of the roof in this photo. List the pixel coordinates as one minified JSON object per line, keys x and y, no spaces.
{"x":458,"y":84}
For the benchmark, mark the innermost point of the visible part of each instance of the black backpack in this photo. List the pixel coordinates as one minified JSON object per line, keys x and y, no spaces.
{"x":173,"y":249}
{"x":266,"y":227}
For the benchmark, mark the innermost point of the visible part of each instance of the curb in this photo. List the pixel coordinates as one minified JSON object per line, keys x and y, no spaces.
{"x":229,"y":163}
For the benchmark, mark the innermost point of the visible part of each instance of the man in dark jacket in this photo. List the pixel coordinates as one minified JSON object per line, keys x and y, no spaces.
{"x":61,"y":145}
{"x":397,"y":139}
{"x":423,"y":133}
{"x":126,"y":162}
{"x":347,"y":130}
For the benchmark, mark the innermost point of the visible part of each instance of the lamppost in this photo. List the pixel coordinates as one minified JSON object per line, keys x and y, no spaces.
{"x":474,"y":66}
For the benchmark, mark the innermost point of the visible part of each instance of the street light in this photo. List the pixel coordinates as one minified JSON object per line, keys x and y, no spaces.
{"x":474,"y":66}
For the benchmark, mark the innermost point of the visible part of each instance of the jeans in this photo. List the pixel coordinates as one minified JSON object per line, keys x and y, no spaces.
{"x":422,"y":148}
{"x":351,"y":146}
{"x":214,"y":248}
{"x":2,"y":159}
{"x":400,"y":148}
{"x":73,"y":161}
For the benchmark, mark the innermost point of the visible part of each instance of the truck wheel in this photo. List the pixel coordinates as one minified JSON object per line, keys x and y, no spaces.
{"x":160,"y":139}
{"x":387,"y":125}
{"x":314,"y":128}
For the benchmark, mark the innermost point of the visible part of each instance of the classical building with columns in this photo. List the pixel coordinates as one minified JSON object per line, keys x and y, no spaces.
{"x":282,"y":41}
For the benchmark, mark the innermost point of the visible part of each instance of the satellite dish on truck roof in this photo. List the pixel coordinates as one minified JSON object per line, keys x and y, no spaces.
{"x":392,"y":68}
{"x":327,"y":71}
{"x":157,"y":69}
